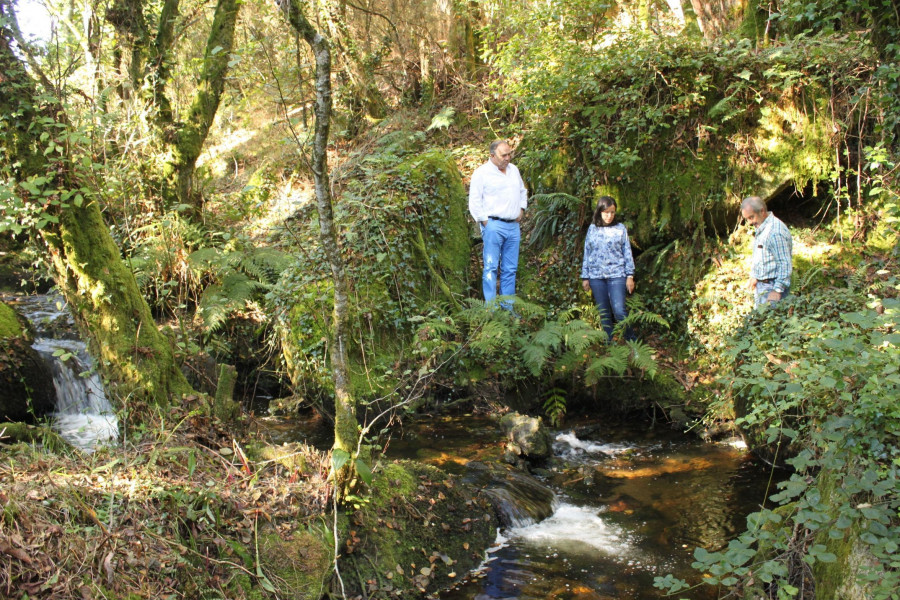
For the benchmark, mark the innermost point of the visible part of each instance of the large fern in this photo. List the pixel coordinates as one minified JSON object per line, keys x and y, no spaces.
{"x":220,"y":300}
{"x":551,"y":213}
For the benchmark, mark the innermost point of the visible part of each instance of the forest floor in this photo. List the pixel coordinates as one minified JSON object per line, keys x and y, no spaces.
{"x":173,"y":511}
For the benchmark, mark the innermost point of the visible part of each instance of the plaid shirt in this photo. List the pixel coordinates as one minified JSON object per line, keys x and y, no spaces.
{"x":772,"y":249}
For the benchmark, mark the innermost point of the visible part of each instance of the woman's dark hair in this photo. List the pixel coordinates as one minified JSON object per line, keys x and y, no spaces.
{"x":604,"y":203}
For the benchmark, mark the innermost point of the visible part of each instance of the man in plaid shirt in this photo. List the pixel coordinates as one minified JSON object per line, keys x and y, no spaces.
{"x":770,"y":265}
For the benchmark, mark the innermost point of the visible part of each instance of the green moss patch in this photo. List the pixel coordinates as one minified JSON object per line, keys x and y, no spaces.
{"x":420,"y":531}
{"x":10,"y":326}
{"x":405,"y":237}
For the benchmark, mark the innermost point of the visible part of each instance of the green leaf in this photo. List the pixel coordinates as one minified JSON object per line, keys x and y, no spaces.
{"x":339,"y":458}
{"x":364,"y":472}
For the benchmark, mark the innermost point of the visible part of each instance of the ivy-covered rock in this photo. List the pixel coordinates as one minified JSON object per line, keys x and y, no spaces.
{"x":406,"y":241}
{"x":26,"y":383}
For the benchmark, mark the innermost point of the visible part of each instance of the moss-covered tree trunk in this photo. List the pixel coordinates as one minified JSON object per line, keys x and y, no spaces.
{"x":87,"y":265}
{"x":467,"y":42}
{"x":183,"y":141}
{"x":346,"y":432}
{"x":187,"y":142}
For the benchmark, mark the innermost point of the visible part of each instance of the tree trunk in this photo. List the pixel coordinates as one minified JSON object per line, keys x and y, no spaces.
{"x":127,"y":18}
{"x":467,"y":42}
{"x":188,"y":140}
{"x":87,"y":266}
{"x":183,"y":141}
{"x":346,"y":431}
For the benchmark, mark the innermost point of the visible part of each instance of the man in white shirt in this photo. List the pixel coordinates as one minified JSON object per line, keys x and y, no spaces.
{"x":497,"y":201}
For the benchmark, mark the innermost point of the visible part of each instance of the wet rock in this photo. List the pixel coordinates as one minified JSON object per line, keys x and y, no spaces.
{"x":527,"y":438}
{"x":517,"y":498}
{"x":26,"y":382}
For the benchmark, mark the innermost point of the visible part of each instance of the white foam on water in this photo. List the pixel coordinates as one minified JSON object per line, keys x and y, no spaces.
{"x":736,"y":443}
{"x":87,"y":431}
{"x":573,"y":444}
{"x":579,"y":524}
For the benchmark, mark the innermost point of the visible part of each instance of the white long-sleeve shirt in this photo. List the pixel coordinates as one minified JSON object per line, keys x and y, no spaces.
{"x":493,"y":193}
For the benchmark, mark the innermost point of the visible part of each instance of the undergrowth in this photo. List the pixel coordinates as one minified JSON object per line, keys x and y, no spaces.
{"x":175,"y":511}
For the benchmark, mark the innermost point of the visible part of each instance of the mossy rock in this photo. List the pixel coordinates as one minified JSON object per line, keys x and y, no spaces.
{"x":420,"y":531}
{"x":26,"y":381}
{"x":300,"y":561}
{"x":406,"y":242}
{"x":841,"y":578}
{"x":24,"y":433}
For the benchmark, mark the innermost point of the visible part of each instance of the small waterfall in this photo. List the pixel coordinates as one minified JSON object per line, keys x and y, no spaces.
{"x":83,"y":415}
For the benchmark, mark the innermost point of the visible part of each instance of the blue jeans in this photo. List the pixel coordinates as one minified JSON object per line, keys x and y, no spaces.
{"x":762,"y":292}
{"x":501,"y":251}
{"x":609,"y":296}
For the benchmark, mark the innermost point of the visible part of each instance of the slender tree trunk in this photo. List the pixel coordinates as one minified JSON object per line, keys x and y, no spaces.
{"x":86,"y":263}
{"x":644,"y":11}
{"x":158,"y":67}
{"x":127,"y":18}
{"x":466,"y":16}
{"x":346,"y":432}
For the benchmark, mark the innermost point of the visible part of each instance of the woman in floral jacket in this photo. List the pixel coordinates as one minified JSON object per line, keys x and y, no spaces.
{"x":608,"y":267}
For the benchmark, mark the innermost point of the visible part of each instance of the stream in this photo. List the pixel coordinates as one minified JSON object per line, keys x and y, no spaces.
{"x":627,"y":503}
{"x":632,"y":503}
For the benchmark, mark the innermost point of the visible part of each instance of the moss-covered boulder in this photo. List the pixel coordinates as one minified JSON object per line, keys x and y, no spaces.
{"x":843,"y":577}
{"x":420,"y":531}
{"x":301,"y":559}
{"x":26,"y":383}
{"x":406,"y":244}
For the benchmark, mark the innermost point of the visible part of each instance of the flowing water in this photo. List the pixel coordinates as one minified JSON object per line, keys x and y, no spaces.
{"x":631,"y":504}
{"x":83,"y":415}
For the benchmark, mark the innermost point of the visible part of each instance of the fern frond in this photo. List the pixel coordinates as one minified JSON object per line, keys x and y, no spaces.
{"x":436,"y":328}
{"x":443,"y":119}
{"x":615,"y":361}
{"x":525,"y":309}
{"x":549,"y":336}
{"x":213,"y":309}
{"x":641,"y":356}
{"x":265,"y":264}
{"x":580,"y":335}
{"x":573,"y":312}
{"x":555,"y":405}
{"x":571,"y":362}
{"x":535,"y":357}
{"x":492,"y":337}
{"x":551,"y":213}
{"x":206,"y":260}
{"x":220,"y":300}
